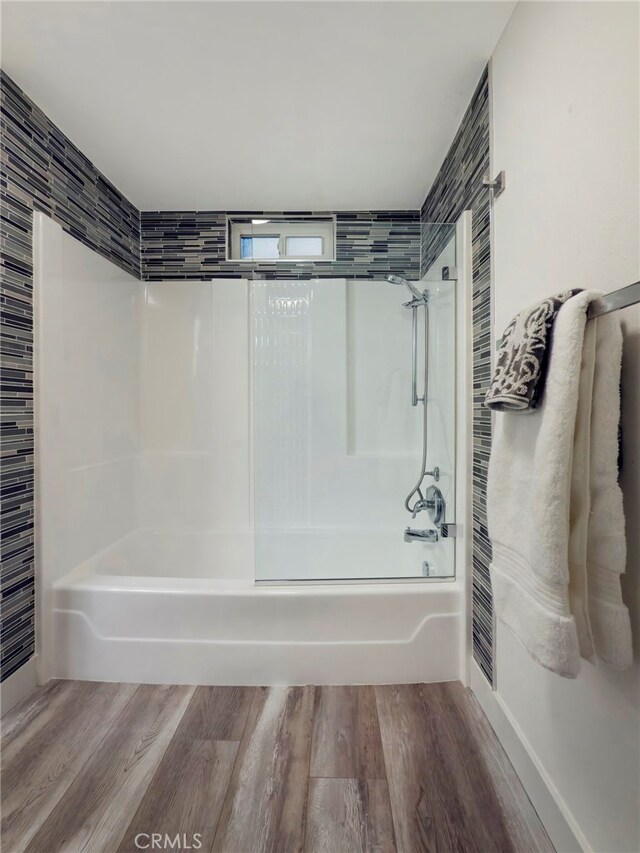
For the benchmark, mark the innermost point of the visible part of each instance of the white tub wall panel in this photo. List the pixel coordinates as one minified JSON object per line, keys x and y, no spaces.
{"x":176,"y":490}
{"x":179,"y":554}
{"x":365,"y":488}
{"x":305,"y":446}
{"x":232,"y":499}
{"x":100,"y":356}
{"x":101,"y":507}
{"x":282,"y":350}
{"x":176,"y":406}
{"x":361,"y":475}
{"x":87,"y":419}
{"x":194,"y":408}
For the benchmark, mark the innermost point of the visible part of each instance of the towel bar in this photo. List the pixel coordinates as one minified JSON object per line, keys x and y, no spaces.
{"x":622,"y":298}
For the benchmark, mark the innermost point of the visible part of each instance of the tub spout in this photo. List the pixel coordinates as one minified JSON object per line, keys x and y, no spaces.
{"x":412,"y":535}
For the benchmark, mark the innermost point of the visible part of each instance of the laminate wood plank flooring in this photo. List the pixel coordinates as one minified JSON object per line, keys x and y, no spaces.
{"x":216,"y":713}
{"x":522,"y":821}
{"x":45,"y":749}
{"x":265,"y":808}
{"x":187,"y":790}
{"x":349,"y":816}
{"x":346,"y":734}
{"x":190,"y":784}
{"x":87,"y":768}
{"x":98,"y":805}
{"x":427,"y":809}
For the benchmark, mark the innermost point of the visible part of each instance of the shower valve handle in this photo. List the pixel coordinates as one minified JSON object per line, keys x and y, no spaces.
{"x":420,"y":505}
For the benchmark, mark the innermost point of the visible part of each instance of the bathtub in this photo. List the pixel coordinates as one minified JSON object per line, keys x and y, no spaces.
{"x":148,"y":610}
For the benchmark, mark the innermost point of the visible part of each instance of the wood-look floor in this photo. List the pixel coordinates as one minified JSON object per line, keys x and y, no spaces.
{"x":91,"y":767}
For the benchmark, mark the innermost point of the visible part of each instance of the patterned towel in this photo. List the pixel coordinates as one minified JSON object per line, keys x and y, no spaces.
{"x":518,"y":381}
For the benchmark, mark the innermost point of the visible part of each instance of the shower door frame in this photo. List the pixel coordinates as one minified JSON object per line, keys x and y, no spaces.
{"x":464,"y":435}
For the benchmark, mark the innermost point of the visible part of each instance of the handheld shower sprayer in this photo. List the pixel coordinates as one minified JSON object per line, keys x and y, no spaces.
{"x":399,"y":280}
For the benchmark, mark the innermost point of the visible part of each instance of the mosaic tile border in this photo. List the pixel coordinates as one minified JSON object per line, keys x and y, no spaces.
{"x":458,"y":187}
{"x":42,"y":170}
{"x":191,"y":245}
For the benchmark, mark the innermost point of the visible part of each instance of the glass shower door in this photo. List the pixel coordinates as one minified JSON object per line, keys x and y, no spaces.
{"x":337,"y":445}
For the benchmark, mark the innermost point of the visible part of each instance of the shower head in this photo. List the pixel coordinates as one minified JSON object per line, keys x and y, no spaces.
{"x":398,"y":279}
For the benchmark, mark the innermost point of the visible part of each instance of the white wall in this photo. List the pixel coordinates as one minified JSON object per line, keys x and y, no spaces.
{"x":566,"y":131}
{"x":87,"y":405}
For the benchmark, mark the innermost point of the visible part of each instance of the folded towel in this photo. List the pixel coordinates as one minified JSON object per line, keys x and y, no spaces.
{"x":555,"y":507}
{"x":606,"y":544}
{"x":521,"y":365}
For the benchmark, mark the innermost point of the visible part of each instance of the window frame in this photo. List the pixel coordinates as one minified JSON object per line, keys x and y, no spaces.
{"x":282,"y":227}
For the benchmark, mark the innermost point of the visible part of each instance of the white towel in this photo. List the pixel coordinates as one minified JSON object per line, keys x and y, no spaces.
{"x":606,"y":544}
{"x":555,"y":507}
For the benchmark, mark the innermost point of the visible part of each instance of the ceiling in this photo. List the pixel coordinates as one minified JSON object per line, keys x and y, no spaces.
{"x":256,"y":105}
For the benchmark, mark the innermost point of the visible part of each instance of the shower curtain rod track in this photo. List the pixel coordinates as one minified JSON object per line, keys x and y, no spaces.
{"x":614,"y":301}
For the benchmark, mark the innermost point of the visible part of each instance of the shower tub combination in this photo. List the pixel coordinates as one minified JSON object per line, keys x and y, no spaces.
{"x":223,"y":470}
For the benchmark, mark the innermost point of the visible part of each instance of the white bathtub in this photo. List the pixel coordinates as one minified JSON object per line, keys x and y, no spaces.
{"x":143,"y":613}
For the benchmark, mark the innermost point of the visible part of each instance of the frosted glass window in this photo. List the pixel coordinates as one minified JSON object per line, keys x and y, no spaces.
{"x":305,"y":247}
{"x":278,"y":239}
{"x":259,"y":247}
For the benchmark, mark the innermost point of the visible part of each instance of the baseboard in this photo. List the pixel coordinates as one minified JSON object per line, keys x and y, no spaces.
{"x":551,"y":808}
{"x":19,"y":683}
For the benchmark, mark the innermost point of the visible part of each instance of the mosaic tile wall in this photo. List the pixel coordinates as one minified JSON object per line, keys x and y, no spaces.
{"x":369,"y":244}
{"x":41,"y":169}
{"x":458,"y":187}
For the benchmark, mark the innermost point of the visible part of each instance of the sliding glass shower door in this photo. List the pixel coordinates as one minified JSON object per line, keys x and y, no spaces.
{"x":337,"y":444}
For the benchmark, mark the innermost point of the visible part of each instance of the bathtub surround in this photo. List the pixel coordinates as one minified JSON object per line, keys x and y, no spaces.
{"x":458,"y":187}
{"x":192,"y":245}
{"x":148,"y":511}
{"x":87,"y":420}
{"x":41,"y":170}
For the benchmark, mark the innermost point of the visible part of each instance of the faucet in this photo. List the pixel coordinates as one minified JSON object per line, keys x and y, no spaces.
{"x":412,"y":535}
